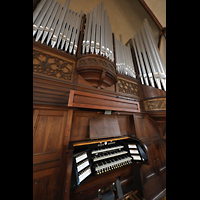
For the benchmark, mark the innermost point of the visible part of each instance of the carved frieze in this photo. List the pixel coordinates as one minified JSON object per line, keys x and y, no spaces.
{"x":97,"y":70}
{"x":52,"y":66}
{"x":91,"y":60}
{"x":155,"y":104}
{"x":128,"y":87}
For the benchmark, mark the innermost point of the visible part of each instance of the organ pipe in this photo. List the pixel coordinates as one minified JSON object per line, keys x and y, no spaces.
{"x":60,"y":25}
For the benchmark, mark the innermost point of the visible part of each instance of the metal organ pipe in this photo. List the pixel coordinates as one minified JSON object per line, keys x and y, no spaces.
{"x":102,"y":46}
{"x":141,"y":60}
{"x":60,"y":21}
{"x":86,"y":32}
{"x":52,"y":21}
{"x":98,"y":33}
{"x":124,"y":60}
{"x":77,"y":31}
{"x":41,"y":16}
{"x":137,"y":60}
{"x":52,"y":29}
{"x":155,"y":50}
{"x":62,"y":28}
{"x":64,"y":36}
{"x":145,"y":59}
{"x":151,"y":59}
{"x":45,"y":20}
{"x":38,"y":9}
{"x":148,"y":57}
{"x":89,"y":32}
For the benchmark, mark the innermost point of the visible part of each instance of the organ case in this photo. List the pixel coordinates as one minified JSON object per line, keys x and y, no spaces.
{"x":83,"y":78}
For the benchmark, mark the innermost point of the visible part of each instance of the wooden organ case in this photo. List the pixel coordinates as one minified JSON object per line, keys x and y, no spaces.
{"x":96,"y":131}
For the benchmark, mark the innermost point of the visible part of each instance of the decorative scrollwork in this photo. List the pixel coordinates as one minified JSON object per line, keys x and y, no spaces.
{"x":128,"y":87}
{"x":92,"y":61}
{"x":97,"y":62}
{"x":97,"y":70}
{"x":52,"y":66}
{"x":155,"y":104}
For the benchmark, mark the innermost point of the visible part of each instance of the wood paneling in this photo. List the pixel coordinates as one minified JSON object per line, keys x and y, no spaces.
{"x":47,"y":185}
{"x":151,"y":92}
{"x":141,"y":127}
{"x":88,"y":100}
{"x":80,"y":124}
{"x":149,"y":171}
{"x":49,"y":129}
{"x":126,"y":124}
{"x":153,"y":175}
{"x":50,"y":91}
{"x":48,"y":135}
{"x":103,"y":128}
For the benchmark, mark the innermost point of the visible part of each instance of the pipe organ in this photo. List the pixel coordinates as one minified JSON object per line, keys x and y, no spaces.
{"x":99,"y":108}
{"x":124,"y":62}
{"x":60,"y":25}
{"x":148,"y":57}
{"x":98,"y":33}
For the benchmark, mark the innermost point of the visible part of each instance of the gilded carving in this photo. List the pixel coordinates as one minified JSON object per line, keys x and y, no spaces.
{"x":128,"y":87}
{"x":52,"y":66}
{"x":155,"y":104}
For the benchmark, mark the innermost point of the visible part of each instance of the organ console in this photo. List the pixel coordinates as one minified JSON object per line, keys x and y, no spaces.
{"x":98,"y":130}
{"x":96,"y":158}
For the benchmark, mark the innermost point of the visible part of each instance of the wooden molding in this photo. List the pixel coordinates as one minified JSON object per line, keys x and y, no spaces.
{"x":94,"y":101}
{"x":149,"y":11}
{"x":97,"y":70}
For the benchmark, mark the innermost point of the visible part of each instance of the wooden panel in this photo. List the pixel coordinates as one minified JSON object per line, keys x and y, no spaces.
{"x":94,"y":101}
{"x":149,"y":171}
{"x":153,"y":188}
{"x":154,"y":175}
{"x":160,"y":155}
{"x":151,"y":92}
{"x":80,"y":124}
{"x":102,"y":128}
{"x":48,"y":130}
{"x":50,"y":91}
{"x":51,"y":133}
{"x":46,"y":184}
{"x":141,"y":127}
{"x":126,"y":124}
{"x":69,"y":157}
